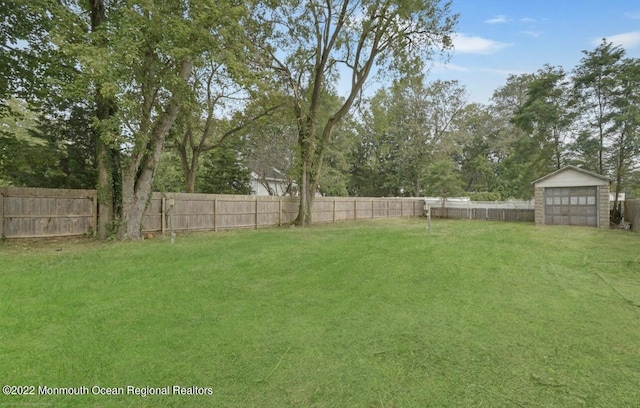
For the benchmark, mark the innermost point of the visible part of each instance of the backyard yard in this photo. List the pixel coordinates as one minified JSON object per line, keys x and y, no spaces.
{"x":360,"y":314}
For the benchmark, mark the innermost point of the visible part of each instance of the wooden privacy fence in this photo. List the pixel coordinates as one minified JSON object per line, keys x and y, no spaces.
{"x":632,"y":214}
{"x":213,"y":212}
{"x":41,"y":213}
{"x":483,"y":210}
{"x":45,"y":212}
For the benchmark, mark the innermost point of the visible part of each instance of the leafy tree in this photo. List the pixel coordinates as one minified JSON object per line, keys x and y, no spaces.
{"x":70,"y":140}
{"x":407,"y":127}
{"x":39,"y":150}
{"x":480,"y":155}
{"x":19,"y":145}
{"x":606,"y":96}
{"x":595,"y":83}
{"x":545,"y":118}
{"x":169,"y":177}
{"x":443,"y":180}
{"x":509,"y":144}
{"x":220,"y":109}
{"x":334,"y":179}
{"x":225,"y":171}
{"x":137,"y":58}
{"x":586,"y":151}
{"x":625,"y":143}
{"x":309,"y":40}
{"x":30,"y":65}
{"x":32,"y":74}
{"x":271,"y":144}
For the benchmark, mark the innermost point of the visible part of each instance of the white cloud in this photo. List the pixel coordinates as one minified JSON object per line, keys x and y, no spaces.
{"x":527,"y":20}
{"x":499,"y":19}
{"x":626,"y":40}
{"x":477,"y":45}
{"x":534,"y":34}
{"x":441,"y":67}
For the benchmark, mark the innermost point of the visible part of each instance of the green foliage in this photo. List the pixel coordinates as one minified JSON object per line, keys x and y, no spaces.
{"x":225,"y":172}
{"x":46,"y":151}
{"x":405,"y":128}
{"x":443,"y":180}
{"x":483,"y":149}
{"x":169,"y":177}
{"x":69,"y":84}
{"x":544,"y":117}
{"x":313,"y":42}
{"x":594,"y":85}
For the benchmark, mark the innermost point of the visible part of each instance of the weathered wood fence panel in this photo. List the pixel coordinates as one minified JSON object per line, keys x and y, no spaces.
{"x":34,"y":212}
{"x":487,"y":214}
{"x":632,"y":214}
{"x":193,"y":212}
{"x":43,"y":212}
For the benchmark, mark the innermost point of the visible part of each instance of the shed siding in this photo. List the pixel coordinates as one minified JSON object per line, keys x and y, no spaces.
{"x":572,"y":178}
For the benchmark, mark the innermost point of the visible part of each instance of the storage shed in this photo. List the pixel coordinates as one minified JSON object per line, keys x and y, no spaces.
{"x":572,"y":196}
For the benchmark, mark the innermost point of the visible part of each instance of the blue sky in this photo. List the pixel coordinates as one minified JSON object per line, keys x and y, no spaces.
{"x":498,"y":37}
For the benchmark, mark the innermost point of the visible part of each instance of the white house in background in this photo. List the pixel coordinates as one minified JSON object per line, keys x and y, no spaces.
{"x":271,"y":182}
{"x":612,"y":197}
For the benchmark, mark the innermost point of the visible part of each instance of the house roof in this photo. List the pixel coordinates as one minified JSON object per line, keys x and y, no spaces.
{"x":271,"y":173}
{"x":572,"y":168}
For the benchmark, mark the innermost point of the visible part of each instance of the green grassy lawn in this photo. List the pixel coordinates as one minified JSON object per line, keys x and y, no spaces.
{"x":366,"y":314}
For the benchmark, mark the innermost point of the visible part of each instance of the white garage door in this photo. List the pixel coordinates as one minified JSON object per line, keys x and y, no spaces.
{"x":571,"y":206}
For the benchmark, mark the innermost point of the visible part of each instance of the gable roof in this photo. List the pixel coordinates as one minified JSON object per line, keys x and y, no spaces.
{"x":574,"y":168}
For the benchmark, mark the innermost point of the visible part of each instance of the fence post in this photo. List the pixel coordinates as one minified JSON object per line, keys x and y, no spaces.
{"x":279,"y":211}
{"x":372,"y":209}
{"x":1,"y":215}
{"x":257,"y":212}
{"x":94,"y":197}
{"x":355,"y":209}
{"x":334,"y":209}
{"x":215,"y":215}
{"x":163,"y":215}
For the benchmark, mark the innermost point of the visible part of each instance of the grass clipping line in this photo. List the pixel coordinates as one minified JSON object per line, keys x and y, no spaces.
{"x":276,"y":367}
{"x":622,"y":296}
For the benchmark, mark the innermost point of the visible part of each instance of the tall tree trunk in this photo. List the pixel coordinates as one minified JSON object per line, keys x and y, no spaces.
{"x":190,"y":171}
{"x":191,"y":177}
{"x":306,"y":136}
{"x":621,"y":159}
{"x":105,"y":190}
{"x":105,"y":108}
{"x":304,"y":208}
{"x":137,"y":177}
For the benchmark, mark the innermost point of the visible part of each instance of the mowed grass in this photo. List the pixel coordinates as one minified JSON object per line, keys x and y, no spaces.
{"x":366,"y":314}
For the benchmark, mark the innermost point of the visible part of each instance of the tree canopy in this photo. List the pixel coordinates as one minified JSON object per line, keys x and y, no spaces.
{"x":126,"y":96}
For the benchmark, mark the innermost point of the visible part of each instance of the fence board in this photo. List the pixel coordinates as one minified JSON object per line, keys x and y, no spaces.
{"x":29,"y":212}
{"x":42,"y":212}
{"x":2,"y":236}
{"x":632,"y":214}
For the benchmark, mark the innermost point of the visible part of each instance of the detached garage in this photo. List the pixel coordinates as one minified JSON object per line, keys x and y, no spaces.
{"x":572,"y":196}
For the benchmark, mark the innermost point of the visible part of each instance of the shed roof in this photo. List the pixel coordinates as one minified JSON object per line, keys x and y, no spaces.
{"x":572,"y":176}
